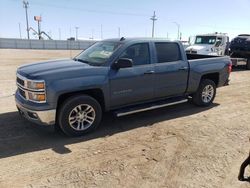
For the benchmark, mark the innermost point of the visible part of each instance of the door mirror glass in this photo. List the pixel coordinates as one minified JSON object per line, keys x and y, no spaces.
{"x":122,"y":63}
{"x":218,"y":43}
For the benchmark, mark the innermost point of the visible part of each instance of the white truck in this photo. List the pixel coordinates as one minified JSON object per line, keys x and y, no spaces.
{"x":209,"y":44}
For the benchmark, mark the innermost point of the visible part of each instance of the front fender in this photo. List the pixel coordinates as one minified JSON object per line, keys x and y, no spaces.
{"x":59,"y":87}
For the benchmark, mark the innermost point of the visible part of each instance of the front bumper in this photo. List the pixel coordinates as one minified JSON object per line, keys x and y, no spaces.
{"x":46,"y":117}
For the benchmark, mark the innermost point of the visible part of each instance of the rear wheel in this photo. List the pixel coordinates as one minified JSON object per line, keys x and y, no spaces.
{"x":205,"y":94}
{"x":248,"y":64}
{"x":79,"y":115}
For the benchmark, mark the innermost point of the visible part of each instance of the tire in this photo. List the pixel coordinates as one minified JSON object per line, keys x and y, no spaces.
{"x":79,"y":115}
{"x":248,"y":64}
{"x":205,"y":94}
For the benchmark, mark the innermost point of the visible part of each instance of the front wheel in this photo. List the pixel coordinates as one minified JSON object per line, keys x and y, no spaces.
{"x":205,"y":94}
{"x":79,"y":115}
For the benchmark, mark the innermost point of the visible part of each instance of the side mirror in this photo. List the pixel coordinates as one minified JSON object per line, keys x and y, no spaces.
{"x":218,"y":43}
{"x":122,"y":63}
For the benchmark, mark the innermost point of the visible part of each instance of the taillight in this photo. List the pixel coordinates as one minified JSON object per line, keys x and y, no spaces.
{"x":230,"y":68}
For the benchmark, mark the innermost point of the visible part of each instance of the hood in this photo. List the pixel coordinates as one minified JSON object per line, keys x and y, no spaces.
{"x":199,"y":47}
{"x":58,"y":69}
{"x":204,"y":49}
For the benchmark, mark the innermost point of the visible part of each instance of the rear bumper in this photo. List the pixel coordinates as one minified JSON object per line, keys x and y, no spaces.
{"x":46,"y":117}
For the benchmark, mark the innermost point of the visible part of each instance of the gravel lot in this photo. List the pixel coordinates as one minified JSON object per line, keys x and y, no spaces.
{"x":180,"y":146}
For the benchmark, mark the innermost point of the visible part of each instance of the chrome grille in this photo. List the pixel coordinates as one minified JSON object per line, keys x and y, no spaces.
{"x":21,"y":85}
{"x":191,"y":52}
{"x":20,"y":81}
{"x":22,"y":93}
{"x":25,"y":92}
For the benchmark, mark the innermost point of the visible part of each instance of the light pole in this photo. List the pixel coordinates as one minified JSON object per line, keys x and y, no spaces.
{"x":178,"y":26}
{"x":76,"y":32}
{"x":20,"y":33}
{"x":101,"y":32}
{"x":38,"y":19}
{"x":119,"y":32}
{"x":25,"y":5}
{"x":153,"y":18}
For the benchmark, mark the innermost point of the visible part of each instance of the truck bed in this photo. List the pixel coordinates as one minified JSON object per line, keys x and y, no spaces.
{"x":199,"y":56}
{"x":208,"y":64}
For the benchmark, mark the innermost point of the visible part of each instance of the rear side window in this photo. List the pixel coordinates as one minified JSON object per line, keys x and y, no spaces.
{"x":167,"y":52}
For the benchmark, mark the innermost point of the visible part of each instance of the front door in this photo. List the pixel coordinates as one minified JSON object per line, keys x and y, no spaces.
{"x":134,"y":84}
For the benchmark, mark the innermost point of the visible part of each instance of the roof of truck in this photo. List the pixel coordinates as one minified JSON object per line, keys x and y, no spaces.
{"x":213,"y":34}
{"x":141,"y":39}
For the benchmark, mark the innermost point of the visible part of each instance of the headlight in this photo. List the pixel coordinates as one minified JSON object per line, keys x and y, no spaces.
{"x":37,"y":97}
{"x":35,"y":85}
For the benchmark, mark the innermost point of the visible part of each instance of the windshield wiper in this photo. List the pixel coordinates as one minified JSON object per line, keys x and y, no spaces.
{"x":81,"y":60}
{"x":87,"y":62}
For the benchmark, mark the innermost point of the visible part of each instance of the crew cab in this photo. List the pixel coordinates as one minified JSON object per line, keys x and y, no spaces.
{"x":123,"y":76}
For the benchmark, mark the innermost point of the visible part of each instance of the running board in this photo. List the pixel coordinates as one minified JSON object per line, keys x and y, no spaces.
{"x":150,"y":106}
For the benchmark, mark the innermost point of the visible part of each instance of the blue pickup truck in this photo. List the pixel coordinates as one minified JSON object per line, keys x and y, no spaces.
{"x":124,"y":76}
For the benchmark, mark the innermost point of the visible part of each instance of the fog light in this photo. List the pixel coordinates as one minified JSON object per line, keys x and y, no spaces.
{"x":32,"y":115}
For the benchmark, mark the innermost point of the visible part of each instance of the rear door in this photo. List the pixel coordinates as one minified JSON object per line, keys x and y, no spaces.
{"x":171,"y":70}
{"x":135,"y":84}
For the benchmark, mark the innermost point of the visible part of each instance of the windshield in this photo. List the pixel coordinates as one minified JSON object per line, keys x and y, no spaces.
{"x":205,"y":39}
{"x":98,"y":54}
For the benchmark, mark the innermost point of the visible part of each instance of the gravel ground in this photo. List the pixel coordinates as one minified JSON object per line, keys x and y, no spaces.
{"x":181,"y":146}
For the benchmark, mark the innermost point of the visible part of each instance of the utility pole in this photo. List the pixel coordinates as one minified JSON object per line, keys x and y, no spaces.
{"x":25,"y":5}
{"x":153,"y":18}
{"x":92,"y":31}
{"x":76,"y":32}
{"x":59,"y":30}
{"x":178,"y":32}
{"x":20,"y":33}
{"x":119,"y":32}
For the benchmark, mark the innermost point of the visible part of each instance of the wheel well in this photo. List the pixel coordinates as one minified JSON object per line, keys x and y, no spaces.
{"x":97,"y":94}
{"x":213,"y":76}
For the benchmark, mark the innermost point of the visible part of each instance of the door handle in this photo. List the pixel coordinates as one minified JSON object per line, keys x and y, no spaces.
{"x":149,"y":72}
{"x":183,"y":68}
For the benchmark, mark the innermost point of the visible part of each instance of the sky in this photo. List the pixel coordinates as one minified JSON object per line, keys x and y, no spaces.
{"x":102,"y":19}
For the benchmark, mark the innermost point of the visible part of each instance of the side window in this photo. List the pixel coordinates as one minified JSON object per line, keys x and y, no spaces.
{"x":139,"y":53}
{"x":167,"y":52}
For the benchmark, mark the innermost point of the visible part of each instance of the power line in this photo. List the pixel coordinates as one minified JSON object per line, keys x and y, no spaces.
{"x":88,"y":10}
